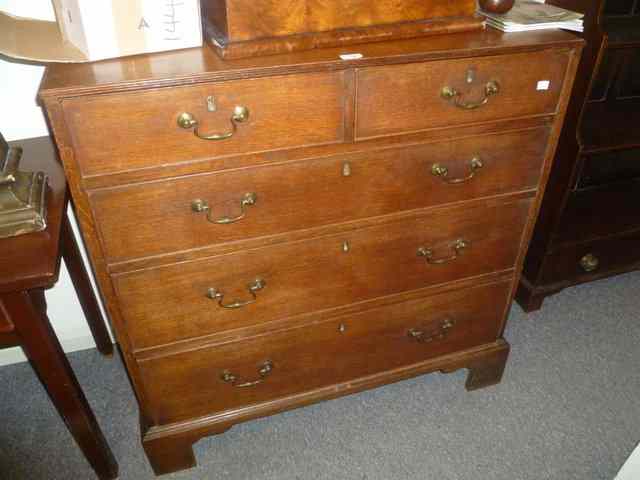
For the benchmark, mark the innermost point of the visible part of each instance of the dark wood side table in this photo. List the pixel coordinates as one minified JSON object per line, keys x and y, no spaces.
{"x":29,"y":264}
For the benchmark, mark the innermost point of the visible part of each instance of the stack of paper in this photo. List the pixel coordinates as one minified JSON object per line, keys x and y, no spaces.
{"x":532,"y":15}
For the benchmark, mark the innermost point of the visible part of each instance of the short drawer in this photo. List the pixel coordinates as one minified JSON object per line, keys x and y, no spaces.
{"x":157,"y":218}
{"x":186,"y":300}
{"x":269,"y":367}
{"x":122,"y":132}
{"x":396,"y":99}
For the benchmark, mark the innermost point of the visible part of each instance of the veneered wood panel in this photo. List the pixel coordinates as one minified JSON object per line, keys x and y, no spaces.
{"x":189,"y":384}
{"x":167,"y":304}
{"x":251,"y":19}
{"x":156,"y":218}
{"x":408,"y":98}
{"x":115,"y":133}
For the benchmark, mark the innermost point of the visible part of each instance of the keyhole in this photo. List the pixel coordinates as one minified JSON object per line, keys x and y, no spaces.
{"x":471,"y":75}
{"x":211,"y":103}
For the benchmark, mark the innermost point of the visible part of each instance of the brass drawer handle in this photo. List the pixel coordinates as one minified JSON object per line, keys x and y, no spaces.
{"x":425,"y":337}
{"x":265,"y":369}
{"x":441,"y":171}
{"x":198,"y":206}
{"x":589,"y":262}
{"x":458,"y":248}
{"x":215,"y":294}
{"x":453,"y":96}
{"x":187,"y":121}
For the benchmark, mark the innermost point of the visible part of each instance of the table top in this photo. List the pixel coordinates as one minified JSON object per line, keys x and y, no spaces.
{"x":32,"y":260}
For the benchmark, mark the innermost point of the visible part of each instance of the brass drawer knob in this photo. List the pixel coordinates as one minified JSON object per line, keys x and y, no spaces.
{"x":458,"y":247}
{"x":257,"y":285}
{"x":589,"y":262}
{"x":439,"y":170}
{"x":454,"y":97}
{"x":188,"y":121}
{"x":265,"y":370}
{"x":198,"y":206}
{"x":439,"y":333}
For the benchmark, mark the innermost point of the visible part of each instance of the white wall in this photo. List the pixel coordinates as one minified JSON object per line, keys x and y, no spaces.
{"x":20,"y":117}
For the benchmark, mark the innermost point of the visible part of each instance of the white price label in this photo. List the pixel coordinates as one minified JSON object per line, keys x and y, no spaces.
{"x":543,"y":85}
{"x":351,"y":56}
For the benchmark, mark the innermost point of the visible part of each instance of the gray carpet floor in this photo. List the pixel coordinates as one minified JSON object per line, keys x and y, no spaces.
{"x":568,"y":408}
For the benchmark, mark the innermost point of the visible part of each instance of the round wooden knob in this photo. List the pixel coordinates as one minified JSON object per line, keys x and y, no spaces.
{"x":496,"y":6}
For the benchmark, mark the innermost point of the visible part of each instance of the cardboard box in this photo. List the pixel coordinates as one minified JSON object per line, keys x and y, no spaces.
{"x":89,"y":30}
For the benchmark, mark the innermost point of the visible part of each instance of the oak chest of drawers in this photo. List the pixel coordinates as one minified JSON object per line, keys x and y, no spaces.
{"x":270,"y":232}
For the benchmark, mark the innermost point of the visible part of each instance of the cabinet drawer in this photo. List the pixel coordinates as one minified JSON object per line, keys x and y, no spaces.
{"x":157,"y":218}
{"x":601,"y":169}
{"x":166,"y":304}
{"x":591,"y":260}
{"x":397,"y":99}
{"x":193,"y":384}
{"x":121,"y":132}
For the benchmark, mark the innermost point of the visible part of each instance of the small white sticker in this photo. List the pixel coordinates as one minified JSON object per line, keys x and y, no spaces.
{"x":543,"y":85}
{"x":351,"y":56}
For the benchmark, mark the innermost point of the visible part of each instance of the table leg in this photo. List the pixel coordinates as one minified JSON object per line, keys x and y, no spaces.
{"x":41,"y":346}
{"x":82,"y":285}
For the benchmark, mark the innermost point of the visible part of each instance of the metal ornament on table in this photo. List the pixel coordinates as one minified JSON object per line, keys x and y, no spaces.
{"x":22,"y":195}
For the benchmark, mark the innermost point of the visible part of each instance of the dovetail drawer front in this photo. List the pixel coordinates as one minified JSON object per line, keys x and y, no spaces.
{"x":131,"y":131}
{"x":406,"y":98}
{"x":165,"y":304}
{"x":191,"y":384}
{"x":157,"y":218}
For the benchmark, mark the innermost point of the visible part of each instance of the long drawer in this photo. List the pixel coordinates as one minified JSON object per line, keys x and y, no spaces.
{"x":263,"y":368}
{"x":156,"y":218}
{"x":185,"y":300}
{"x":396,"y":99}
{"x":122,"y":132}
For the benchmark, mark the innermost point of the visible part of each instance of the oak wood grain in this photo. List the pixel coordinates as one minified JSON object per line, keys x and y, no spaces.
{"x":188,"y":385}
{"x":166,"y":304}
{"x":156,"y":218}
{"x":395,"y":99}
{"x":157,"y":300}
{"x":198,"y":65}
{"x":142,"y":129}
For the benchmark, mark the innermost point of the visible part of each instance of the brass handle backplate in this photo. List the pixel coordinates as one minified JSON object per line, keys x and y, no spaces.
{"x":438,"y":334}
{"x":454,"y":96}
{"x":257,"y":285}
{"x":439,"y":170}
{"x":458,"y":247}
{"x":589,"y":262}
{"x":198,"y":205}
{"x":265,"y":369}
{"x":188,"y":121}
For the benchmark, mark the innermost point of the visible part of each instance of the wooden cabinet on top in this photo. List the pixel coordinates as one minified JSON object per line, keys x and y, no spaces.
{"x":271,"y":232}
{"x":244,"y":28}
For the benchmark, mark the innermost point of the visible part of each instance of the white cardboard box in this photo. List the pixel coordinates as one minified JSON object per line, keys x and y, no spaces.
{"x":90,"y":30}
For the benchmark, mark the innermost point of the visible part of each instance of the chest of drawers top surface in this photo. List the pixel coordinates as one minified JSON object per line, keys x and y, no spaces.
{"x":190,"y":66}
